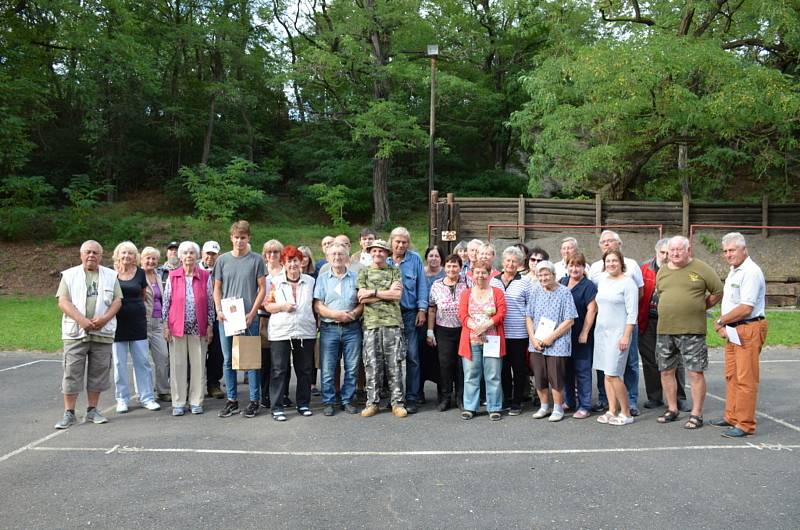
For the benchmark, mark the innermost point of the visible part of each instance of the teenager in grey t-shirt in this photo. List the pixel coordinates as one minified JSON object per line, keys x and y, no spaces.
{"x":239,"y":276}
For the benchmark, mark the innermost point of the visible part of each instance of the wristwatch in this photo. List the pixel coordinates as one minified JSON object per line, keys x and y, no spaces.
{"x":719,"y":323}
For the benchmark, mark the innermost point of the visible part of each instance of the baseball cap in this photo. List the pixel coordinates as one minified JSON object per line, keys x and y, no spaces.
{"x":211,"y":246}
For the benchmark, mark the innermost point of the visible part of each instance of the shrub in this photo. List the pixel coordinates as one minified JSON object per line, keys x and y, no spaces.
{"x":219,"y":194}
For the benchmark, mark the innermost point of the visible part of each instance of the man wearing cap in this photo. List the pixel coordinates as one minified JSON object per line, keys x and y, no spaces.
{"x":172,"y":263}
{"x":379,"y":289}
{"x":214,"y":359}
{"x":414,"y":307}
{"x":743,"y":300}
{"x":89,"y":296}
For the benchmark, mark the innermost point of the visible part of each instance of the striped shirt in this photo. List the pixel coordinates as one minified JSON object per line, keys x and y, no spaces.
{"x":518,"y":293}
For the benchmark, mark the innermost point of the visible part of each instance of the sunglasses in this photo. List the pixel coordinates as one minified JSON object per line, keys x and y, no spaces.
{"x":537,"y":259}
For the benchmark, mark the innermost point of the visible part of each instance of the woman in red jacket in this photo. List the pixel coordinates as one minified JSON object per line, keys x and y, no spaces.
{"x":481,"y":310}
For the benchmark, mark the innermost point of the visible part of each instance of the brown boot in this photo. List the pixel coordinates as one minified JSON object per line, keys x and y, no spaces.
{"x":399,"y":411}
{"x":369,"y":410}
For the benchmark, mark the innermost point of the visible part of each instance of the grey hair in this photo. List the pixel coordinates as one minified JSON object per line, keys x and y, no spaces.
{"x":186,"y":245}
{"x":546,"y":265}
{"x":570,"y":240}
{"x":476,"y":242}
{"x":91,"y":242}
{"x":488,"y":246}
{"x":400,"y":231}
{"x":147,"y":251}
{"x":273,"y":244}
{"x":735,"y":238}
{"x":683,"y":240}
{"x":514,"y":251}
{"x":462,"y":245}
{"x":611,"y":233}
{"x":664,"y":241}
{"x":337,"y":246}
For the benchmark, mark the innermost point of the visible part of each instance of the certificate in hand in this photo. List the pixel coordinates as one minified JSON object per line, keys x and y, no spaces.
{"x":544,"y":329}
{"x":235,"y":319}
{"x":491,"y":348}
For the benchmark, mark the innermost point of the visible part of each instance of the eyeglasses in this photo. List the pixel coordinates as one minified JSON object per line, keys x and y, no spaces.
{"x":537,"y":259}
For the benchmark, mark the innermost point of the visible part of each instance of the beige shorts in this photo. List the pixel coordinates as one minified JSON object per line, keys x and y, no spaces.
{"x":93,"y":359}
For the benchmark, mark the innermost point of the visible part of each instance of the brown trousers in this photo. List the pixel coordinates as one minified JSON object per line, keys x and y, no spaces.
{"x":742,"y":375}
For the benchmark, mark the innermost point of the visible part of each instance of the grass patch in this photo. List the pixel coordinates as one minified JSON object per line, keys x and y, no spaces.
{"x":34,"y":323}
{"x":784,"y":329}
{"x":31,"y":323}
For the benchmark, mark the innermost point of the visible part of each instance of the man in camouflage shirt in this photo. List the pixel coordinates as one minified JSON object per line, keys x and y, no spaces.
{"x":379,"y":289}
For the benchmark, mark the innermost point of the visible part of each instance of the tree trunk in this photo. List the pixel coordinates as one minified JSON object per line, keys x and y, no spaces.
{"x":209,"y":130}
{"x":380,"y":191}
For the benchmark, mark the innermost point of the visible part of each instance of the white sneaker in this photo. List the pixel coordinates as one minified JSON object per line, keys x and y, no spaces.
{"x":541,"y":413}
{"x":151,"y":405}
{"x":557,"y":415}
{"x":122,"y":407}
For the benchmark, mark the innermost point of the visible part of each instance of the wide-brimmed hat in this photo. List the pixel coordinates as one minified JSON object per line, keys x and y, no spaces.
{"x":379,"y":243}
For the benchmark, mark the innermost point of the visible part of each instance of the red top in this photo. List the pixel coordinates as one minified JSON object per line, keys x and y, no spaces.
{"x":464,"y":349}
{"x":178,"y":300}
{"x":649,"y":277}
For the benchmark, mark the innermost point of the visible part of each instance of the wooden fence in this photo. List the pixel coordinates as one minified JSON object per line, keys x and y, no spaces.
{"x":470,"y":217}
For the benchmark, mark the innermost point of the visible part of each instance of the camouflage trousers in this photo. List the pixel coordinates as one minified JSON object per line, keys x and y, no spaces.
{"x":385,"y":349}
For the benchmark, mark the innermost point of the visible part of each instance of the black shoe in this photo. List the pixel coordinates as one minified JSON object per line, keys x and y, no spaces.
{"x":287,"y":402}
{"x":231,"y":408}
{"x":421,"y":400}
{"x":164,"y":397}
{"x":351,"y":409}
{"x":251,"y":410}
{"x":653,"y":404}
{"x":599,"y":407}
{"x":411,"y":407}
{"x":266,"y":403}
{"x":720,"y":423}
{"x":328,"y":410}
{"x":735,"y":432}
{"x":684,"y":405}
{"x":315,"y":391}
{"x":634,"y":412}
{"x":443,"y":405}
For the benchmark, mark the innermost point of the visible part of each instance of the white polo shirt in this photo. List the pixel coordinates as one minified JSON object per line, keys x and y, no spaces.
{"x":632,"y":270}
{"x":745,"y":285}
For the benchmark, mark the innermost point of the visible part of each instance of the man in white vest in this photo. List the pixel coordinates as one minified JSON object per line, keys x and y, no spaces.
{"x":89,"y":296}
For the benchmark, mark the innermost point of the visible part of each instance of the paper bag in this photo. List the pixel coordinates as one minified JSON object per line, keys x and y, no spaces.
{"x":246,"y":352}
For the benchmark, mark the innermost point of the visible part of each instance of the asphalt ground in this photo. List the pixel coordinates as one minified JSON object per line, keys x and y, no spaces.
{"x":431,"y":470}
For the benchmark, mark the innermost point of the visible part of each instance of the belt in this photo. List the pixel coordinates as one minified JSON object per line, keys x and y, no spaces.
{"x":746,"y":321}
{"x":341,"y":324}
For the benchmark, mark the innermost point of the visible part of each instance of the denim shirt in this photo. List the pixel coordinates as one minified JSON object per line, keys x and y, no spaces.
{"x":415,"y":283}
{"x":339,"y":294}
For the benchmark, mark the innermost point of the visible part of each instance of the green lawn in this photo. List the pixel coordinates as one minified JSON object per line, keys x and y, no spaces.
{"x":34,"y":323}
{"x":30,"y":323}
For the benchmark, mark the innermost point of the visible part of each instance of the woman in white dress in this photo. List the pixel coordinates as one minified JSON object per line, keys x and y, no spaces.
{"x":617,"y":308}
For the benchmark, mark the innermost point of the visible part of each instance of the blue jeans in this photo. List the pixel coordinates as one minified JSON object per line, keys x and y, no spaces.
{"x":579,"y":380}
{"x":334,"y":341}
{"x":142,"y":370}
{"x":412,"y":355}
{"x":491,"y":368}
{"x":229,"y":374}
{"x":630,"y":377}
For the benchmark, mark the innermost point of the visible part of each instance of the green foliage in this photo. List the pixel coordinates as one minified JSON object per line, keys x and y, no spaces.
{"x":25,"y":191}
{"x":18,"y":223}
{"x":388,"y":124}
{"x":333,"y":200}
{"x":219,"y":194}
{"x":711,"y":243}
{"x":79,"y":220}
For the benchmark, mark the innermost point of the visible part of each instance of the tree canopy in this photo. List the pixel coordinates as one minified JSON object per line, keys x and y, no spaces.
{"x":329,"y":99}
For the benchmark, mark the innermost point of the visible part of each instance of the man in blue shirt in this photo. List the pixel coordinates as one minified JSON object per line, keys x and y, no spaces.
{"x":414,"y":307}
{"x":336,"y":302}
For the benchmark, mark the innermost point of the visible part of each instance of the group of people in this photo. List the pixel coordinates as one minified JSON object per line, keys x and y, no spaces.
{"x":380,"y":322}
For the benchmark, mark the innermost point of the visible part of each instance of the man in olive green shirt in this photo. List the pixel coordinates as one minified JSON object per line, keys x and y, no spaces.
{"x":686,"y":288}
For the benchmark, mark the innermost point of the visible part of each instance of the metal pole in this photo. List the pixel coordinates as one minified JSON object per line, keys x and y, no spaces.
{"x":432,"y":132}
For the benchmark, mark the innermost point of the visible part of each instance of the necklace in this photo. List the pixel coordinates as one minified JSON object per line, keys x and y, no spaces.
{"x":291,"y":280}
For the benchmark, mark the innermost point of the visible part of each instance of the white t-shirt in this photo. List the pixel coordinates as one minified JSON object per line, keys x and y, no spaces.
{"x":745,"y":285}
{"x":632,"y":270}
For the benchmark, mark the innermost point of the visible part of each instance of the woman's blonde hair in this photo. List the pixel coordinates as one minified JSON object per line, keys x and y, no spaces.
{"x":122,"y":246}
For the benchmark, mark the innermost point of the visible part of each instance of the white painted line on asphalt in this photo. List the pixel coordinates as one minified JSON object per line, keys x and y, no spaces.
{"x":33,"y":445}
{"x":484,"y":452}
{"x":759,"y":413}
{"x":30,"y":363}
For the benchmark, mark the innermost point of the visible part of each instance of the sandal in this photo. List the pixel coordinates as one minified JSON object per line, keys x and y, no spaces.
{"x":669,"y":416}
{"x":495,"y":416}
{"x":467,"y":415}
{"x":694,"y":422}
{"x":605,"y":418}
{"x":305,"y":411}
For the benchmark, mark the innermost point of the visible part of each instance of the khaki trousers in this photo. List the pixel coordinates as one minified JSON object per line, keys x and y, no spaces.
{"x":742,"y":375}
{"x":187,"y":354}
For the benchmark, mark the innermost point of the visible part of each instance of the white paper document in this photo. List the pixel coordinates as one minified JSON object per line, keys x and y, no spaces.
{"x":491,"y":347}
{"x":733,"y":336}
{"x":545,"y":328}
{"x":235,"y":319}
